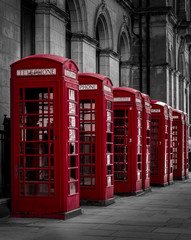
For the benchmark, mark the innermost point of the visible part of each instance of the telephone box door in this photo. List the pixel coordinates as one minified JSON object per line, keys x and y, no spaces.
{"x":35,"y":163}
{"x":122,"y":149}
{"x":155,"y":149}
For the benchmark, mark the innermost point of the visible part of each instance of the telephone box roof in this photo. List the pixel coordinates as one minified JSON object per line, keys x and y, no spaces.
{"x":127,"y":89}
{"x":51,"y":57}
{"x":95,"y":75}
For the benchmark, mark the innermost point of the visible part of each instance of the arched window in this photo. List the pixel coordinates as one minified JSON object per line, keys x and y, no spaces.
{"x":124,"y":51}
{"x":103,"y":35}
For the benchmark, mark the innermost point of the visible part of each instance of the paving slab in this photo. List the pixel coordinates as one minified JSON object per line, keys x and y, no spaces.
{"x":163,"y":213}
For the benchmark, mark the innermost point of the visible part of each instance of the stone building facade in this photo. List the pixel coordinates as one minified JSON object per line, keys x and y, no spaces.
{"x":142,"y":44}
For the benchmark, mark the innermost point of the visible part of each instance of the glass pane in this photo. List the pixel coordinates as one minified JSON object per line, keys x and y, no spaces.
{"x":109,"y":105}
{"x":36,"y":189}
{"x":72,"y":160}
{"x":72,"y":135}
{"x":108,"y":116}
{"x":71,"y":94}
{"x":73,"y":188}
{"x":36,"y":162}
{"x":51,"y":189}
{"x":85,"y":148}
{"x":119,"y":113}
{"x":85,"y":104}
{"x":38,"y":148}
{"x":36,"y":175}
{"x":72,"y":121}
{"x":72,"y":148}
{"x":72,"y":108}
{"x":36,"y":93}
{"x":85,"y":159}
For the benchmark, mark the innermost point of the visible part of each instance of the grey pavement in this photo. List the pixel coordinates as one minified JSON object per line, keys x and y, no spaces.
{"x":163,"y":213}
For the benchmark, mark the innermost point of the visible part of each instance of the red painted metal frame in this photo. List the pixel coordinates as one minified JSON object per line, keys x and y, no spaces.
{"x":56,"y":75}
{"x":159,"y":143}
{"x":178,"y":144}
{"x":170,"y":146}
{"x":146,"y":141}
{"x":99,"y":168}
{"x":186,"y":146}
{"x":130,"y":101}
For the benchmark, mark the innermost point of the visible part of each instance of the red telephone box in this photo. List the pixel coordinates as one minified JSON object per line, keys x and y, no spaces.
{"x":44,"y":134}
{"x":178,"y":144}
{"x":96,"y":139}
{"x":146,"y":141}
{"x":159,"y":143}
{"x":128,"y":115}
{"x":186,"y":145}
{"x":170,"y":147}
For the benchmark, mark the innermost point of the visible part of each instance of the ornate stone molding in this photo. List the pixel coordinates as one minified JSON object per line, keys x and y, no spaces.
{"x":49,"y":8}
{"x":81,"y":36}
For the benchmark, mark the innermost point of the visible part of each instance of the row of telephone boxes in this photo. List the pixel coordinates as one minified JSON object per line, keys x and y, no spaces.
{"x":76,"y":139}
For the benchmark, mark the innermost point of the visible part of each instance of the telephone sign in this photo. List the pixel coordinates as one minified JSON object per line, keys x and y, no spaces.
{"x":44,"y":133}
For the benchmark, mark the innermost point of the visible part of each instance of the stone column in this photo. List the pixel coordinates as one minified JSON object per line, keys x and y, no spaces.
{"x":125,"y":72}
{"x":84,"y":52}
{"x":176,"y":90}
{"x":50,"y":29}
{"x":181,"y":92}
{"x":109,"y":65}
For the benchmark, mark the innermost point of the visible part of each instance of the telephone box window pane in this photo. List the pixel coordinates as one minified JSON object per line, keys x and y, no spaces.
{"x":108,"y":159}
{"x":72,"y":95}
{"x":72,"y":174}
{"x":36,"y":121}
{"x":72,"y":148}
{"x":51,"y":161}
{"x":37,"y":148}
{"x":108,"y":116}
{"x":109,"y":181}
{"x":85,"y":159}
{"x":72,"y":108}
{"x":85,"y":115}
{"x":20,"y":107}
{"x":119,"y":113}
{"x":109,"y":137}
{"x":72,"y":162}
{"x":93,"y":181}
{"x":21,"y":175}
{"x":119,"y":131}
{"x":86,"y":170}
{"x":36,"y":189}
{"x":52,"y":176}
{"x":85,"y":148}
{"x":72,"y":135}
{"x":85,"y":104}
{"x":108,"y":127}
{"x":36,"y":175}
{"x":21,"y":162}
{"x":36,"y":93}
{"x":73,"y":188}
{"x":87,"y":137}
{"x":87,"y":181}
{"x":21,"y":148}
{"x":21,"y":121}
{"x":72,"y":121}
{"x":51,"y":189}
{"x":108,"y":105}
